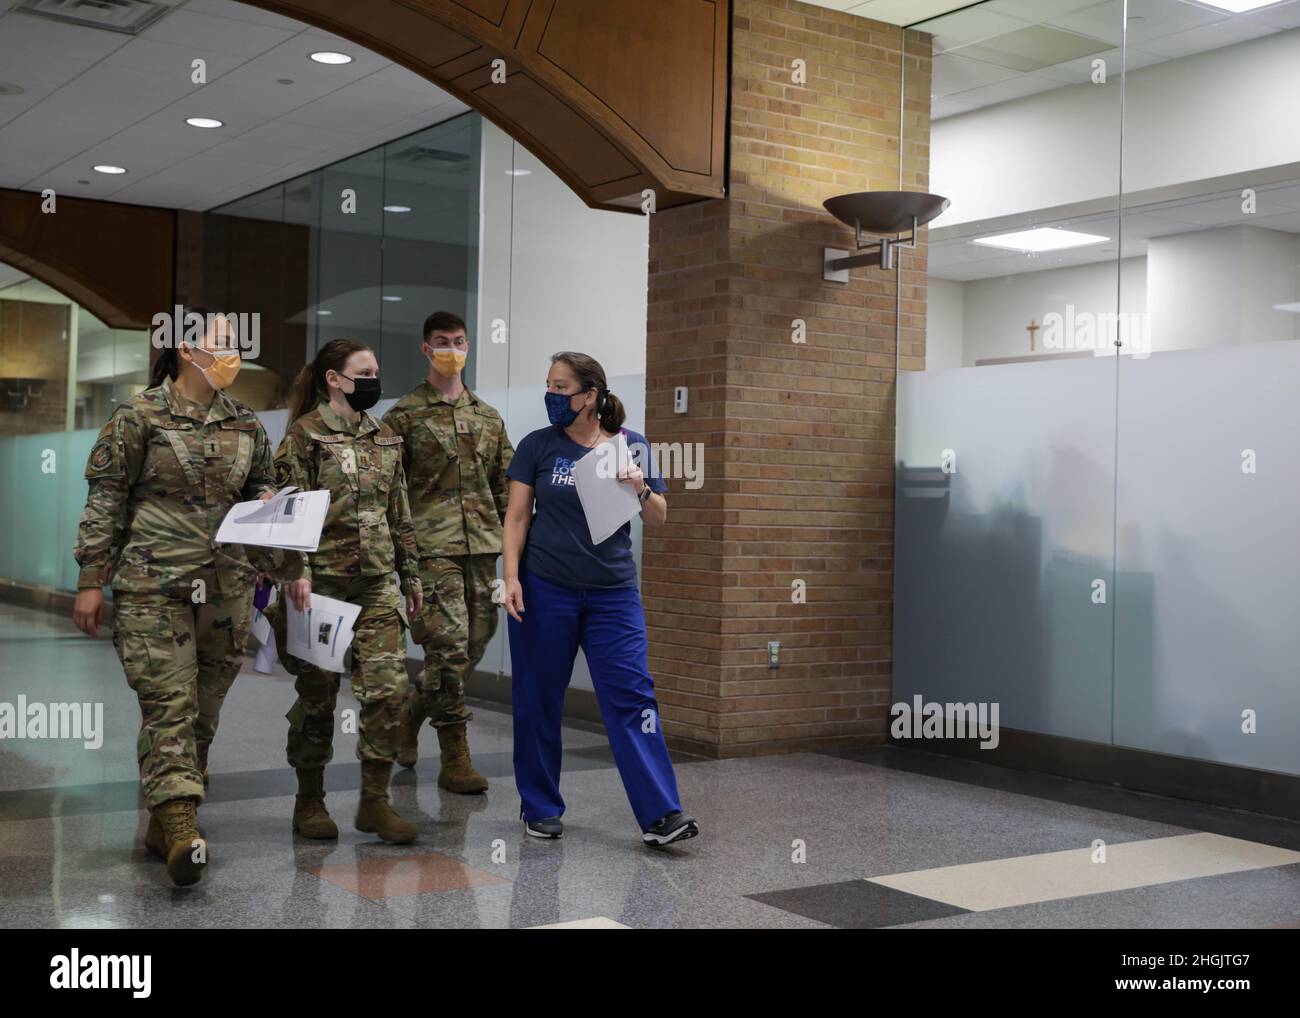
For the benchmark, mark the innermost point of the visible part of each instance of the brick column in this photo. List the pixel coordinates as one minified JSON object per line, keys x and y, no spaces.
{"x":798,"y":438}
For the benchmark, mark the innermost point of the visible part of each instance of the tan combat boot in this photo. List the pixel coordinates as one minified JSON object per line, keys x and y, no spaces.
{"x":310,"y":818}
{"x":202,"y":753}
{"x":458,"y":773}
{"x":155,"y":838}
{"x":412,"y":720}
{"x":374,"y":815}
{"x":187,"y":852}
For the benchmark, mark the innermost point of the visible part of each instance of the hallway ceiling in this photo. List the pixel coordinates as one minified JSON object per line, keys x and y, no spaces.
{"x":90,"y":95}
{"x":1006,"y":49}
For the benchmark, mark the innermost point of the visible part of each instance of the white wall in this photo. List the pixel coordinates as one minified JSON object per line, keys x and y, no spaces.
{"x":1224,"y":111}
{"x":986,"y":318}
{"x":563,"y":277}
{"x":944,"y":324}
{"x":1215,"y":287}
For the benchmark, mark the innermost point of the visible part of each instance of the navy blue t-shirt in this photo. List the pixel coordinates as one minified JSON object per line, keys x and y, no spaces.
{"x":559,"y":545}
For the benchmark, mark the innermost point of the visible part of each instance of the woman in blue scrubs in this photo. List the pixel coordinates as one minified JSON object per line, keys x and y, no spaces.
{"x":563,"y":592}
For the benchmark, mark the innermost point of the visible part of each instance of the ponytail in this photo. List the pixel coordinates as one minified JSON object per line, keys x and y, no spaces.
{"x":309,"y":388}
{"x":168,"y":362}
{"x":610,"y":411}
{"x":166,"y":365}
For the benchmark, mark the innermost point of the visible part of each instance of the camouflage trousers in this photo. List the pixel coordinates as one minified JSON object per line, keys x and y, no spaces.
{"x":378,"y":656}
{"x":180,"y":659}
{"x":458,"y":620}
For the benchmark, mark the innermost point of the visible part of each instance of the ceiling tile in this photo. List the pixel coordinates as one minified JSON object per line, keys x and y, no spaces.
{"x":1033,"y":47}
{"x":1100,"y":21}
{"x":1037,"y":10}
{"x":897,"y":12}
{"x":1278,"y":15}
{"x":226,"y":35}
{"x":952,"y":73}
{"x":971,"y":25}
{"x":243,"y":12}
{"x":1207,"y":37}
{"x":59,"y":39}
{"x":1079,"y":72}
{"x":1150,"y":19}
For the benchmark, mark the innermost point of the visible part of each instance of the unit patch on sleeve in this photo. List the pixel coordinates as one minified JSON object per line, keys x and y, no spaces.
{"x":101,"y":457}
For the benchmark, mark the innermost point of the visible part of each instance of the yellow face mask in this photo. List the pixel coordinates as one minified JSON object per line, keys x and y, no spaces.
{"x":223,"y":369}
{"x":448,"y":362}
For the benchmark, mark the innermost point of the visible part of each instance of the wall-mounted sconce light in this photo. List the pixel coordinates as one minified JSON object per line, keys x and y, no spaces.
{"x":877,"y":212}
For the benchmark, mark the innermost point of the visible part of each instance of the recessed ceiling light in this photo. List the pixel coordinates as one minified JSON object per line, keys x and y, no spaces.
{"x":205,"y":122}
{"x":1238,"y":6}
{"x":1044,"y":238}
{"x":105,"y":168}
{"x":1287,"y":307}
{"x":518,"y":173}
{"x":322,"y":311}
{"x":389,"y":297}
{"x":330,"y":57}
{"x":397,"y":208}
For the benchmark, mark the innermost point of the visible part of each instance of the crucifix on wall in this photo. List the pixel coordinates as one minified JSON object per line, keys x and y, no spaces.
{"x":1032,"y":328}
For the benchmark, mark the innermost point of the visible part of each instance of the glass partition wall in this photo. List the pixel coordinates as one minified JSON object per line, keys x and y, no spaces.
{"x":365,"y":248}
{"x":1097,"y":468}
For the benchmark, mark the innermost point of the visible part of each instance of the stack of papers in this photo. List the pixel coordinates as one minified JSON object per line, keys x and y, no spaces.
{"x":286,"y":520}
{"x":607,"y":502}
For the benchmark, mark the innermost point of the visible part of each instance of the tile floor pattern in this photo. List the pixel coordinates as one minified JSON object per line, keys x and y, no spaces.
{"x":858,"y":838}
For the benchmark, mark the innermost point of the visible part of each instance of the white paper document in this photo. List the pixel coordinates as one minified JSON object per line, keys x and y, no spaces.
{"x":607,"y":502}
{"x":323,"y":633}
{"x":267,"y":656}
{"x":261,"y":624}
{"x":289,"y":519}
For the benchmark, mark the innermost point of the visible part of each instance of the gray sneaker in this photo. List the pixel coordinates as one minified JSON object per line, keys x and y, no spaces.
{"x":549,"y":827}
{"x":676,"y":826}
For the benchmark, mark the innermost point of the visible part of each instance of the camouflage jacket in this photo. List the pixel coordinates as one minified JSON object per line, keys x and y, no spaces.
{"x":163,"y":473}
{"x":368,"y":531}
{"x":456,"y":455}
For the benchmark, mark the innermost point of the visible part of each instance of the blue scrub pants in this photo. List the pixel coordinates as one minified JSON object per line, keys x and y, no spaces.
{"x":610,"y":627}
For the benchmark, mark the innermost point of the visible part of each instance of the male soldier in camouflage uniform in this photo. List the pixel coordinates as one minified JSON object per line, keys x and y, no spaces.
{"x":367,"y":534}
{"x":456,"y":452}
{"x":162,"y":474}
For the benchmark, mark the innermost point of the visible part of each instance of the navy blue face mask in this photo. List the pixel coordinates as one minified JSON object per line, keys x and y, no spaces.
{"x":558,"y":409}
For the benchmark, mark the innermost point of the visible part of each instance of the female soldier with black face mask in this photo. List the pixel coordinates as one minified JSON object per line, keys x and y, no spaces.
{"x":332,"y":443}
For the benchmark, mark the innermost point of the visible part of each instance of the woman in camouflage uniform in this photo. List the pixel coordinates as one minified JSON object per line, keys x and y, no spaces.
{"x":163,"y":473}
{"x":333,"y":443}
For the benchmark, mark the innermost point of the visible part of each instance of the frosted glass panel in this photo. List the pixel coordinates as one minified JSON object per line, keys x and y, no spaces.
{"x":1208,"y":603}
{"x":40,"y":508}
{"x":996,"y":560}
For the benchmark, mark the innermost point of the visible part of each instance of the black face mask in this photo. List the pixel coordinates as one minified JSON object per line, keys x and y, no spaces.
{"x":365,"y":393}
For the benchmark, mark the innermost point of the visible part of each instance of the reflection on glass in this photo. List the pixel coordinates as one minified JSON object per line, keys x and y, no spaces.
{"x":1154,"y":491}
{"x":1005,"y":437}
{"x":365,"y":249}
{"x":61,"y":368}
